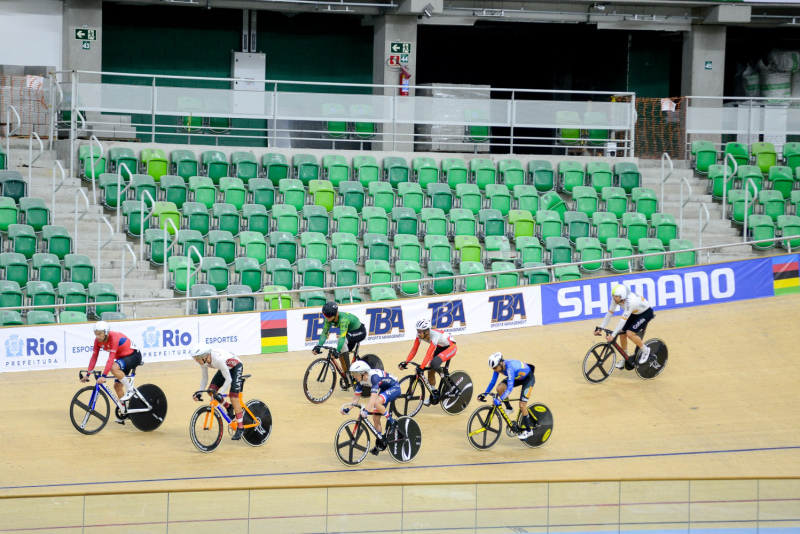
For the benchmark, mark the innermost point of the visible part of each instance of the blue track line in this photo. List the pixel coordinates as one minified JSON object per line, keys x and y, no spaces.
{"x":408,"y":467}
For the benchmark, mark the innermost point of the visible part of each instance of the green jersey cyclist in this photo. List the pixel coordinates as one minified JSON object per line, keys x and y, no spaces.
{"x":351,"y":332}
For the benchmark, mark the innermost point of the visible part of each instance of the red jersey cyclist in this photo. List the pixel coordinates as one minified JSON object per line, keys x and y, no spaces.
{"x":123,"y":357}
{"x":442,"y":349}
{"x":636,"y":313}
{"x":228,"y":376}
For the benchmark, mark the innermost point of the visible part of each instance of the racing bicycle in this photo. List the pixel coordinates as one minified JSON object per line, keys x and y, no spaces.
{"x":599,"y":362}
{"x":486,"y":423}
{"x":403,"y":439}
{"x":454,"y":393}
{"x":320,"y":377}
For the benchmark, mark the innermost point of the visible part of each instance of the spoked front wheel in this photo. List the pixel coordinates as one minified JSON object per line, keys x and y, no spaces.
{"x":89,"y":412}
{"x":412,"y":395}
{"x":257,"y":435}
{"x":352,"y":442}
{"x":483,"y":428}
{"x":205,"y":429}
{"x":319,"y":381}
{"x":599,"y":362}
{"x":455,"y":392}
{"x":151,"y":419}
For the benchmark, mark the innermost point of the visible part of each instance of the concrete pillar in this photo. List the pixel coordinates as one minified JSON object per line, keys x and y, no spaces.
{"x":394,"y":29}
{"x":702,"y":45}
{"x":83,"y":14}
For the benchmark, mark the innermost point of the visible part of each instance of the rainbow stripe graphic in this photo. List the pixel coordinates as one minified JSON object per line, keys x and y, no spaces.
{"x":273,"y":332}
{"x":785,"y":274}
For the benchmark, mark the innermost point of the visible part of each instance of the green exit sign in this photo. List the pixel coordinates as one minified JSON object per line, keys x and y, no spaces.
{"x":83,"y":34}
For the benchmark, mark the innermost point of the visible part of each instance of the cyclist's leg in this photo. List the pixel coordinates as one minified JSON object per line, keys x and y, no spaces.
{"x":526,"y":422}
{"x":235,"y":393}
{"x":639,"y":323}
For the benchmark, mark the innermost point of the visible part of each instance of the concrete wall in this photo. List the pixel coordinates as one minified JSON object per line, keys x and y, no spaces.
{"x":31,"y":32}
{"x":80,"y":14}
{"x":702,"y":44}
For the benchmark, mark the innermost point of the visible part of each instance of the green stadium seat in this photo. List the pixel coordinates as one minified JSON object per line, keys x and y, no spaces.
{"x":285,"y":219}
{"x":526,"y":197}
{"x":719,"y":175}
{"x":462,"y":222}
{"x":437,"y":248}
{"x":395,"y":171}
{"x":645,"y":201}
{"x":305,"y":168}
{"x":282,"y":245}
{"x":536,"y":273}
{"x":541,"y":175}
{"x":345,"y":220}
{"x":15,"y":268}
{"x":473,"y":283}
{"x":794,"y":201}
{"x":335,"y":125}
{"x":277,"y":301}
{"x":293,"y":193}
{"x":377,"y":294}
{"x":618,"y":247}
{"x":262,"y":192}
{"x":352,"y":194}
{"x":216,"y":274}
{"x":511,"y":172}
{"x":314,"y":245}
{"x":411,"y":196}
{"x":558,"y":250}
{"x":196,"y":217}
{"x":122,"y":160}
{"x":312,"y":299}
{"x":469,"y":197}
{"x":90,"y":162}
{"x":23,"y":239}
{"x":407,"y":247}
{"x":202,"y":191}
{"x":80,"y":269}
{"x":408,"y":271}
{"x":467,"y":249}
{"x":605,"y":226}
{"x":791,"y":156}
{"x":315,"y":219}
{"x":529,"y":249}
{"x":345,"y":247}
{"x":248,"y":273}
{"x":335,"y":169}
{"x":566,"y":273}
{"x":3,"y":159}
{"x":240,"y":303}
{"x":599,"y":175}
{"x":311,"y":273}
{"x":204,"y":306}
{"x":761,"y":227}
{"x":648,"y":245}
{"x":112,"y":192}
{"x":704,"y":155}
{"x":343,"y":273}
{"x":552,"y":201}
{"x":596,"y":136}
{"x":375,"y":221}
{"x":13,"y":185}
{"x":404,"y":221}
{"x":627,"y":176}
{"x":615,"y":201}
{"x":9,"y":213}
{"x":440,"y":269}
{"x":425,"y":171}
{"x":112,"y":316}
{"x":275,"y":167}
{"x":245,"y":166}
{"x":738,"y":201}
{"x":141,"y":183}
{"x":253,"y":245}
{"x":502,"y":278}
{"x":477,"y":130}
{"x":322,"y":194}
{"x":491,"y":223}
{"x":589,"y":249}
{"x":34,"y":212}
{"x":576,"y":225}
{"x":10,"y":294}
{"x":182,"y":275}
{"x":585,"y":199}
{"x":154,"y":162}
{"x":48,"y":268}
{"x":522,"y":224}
{"x":482,"y":172}
{"x":570,"y":175}
{"x":255,"y":218}
{"x":72,"y":293}
{"x":439,"y":196}
{"x":679,"y":258}
{"x":214,"y":165}
{"x":155,"y":249}
{"x":191,"y":238}
{"x":636,"y":227}
{"x":184,"y":164}
{"x":100,"y":293}
{"x":347,"y":296}
{"x":568,"y":131}
{"x":376,"y":247}
{"x":10,"y":317}
{"x":497,"y":248}
{"x":434,"y":221}
{"x":365,"y":170}
{"x":279,"y":272}
{"x":68,"y":317}
{"x":498,"y":197}
{"x":233,"y":192}
{"x":664,"y":227}
{"x":378,"y":272}
{"x":764,"y":156}
{"x":173,"y":189}
{"x":167,"y":216}
{"x":362,"y":128}
{"x":749,"y":172}
{"x":226,"y":217}
{"x":789,"y":226}
{"x":40,"y":317}
{"x":382,"y":195}
{"x":455,"y":172}
{"x":781,"y":179}
{"x":222,"y":245}
{"x":548,"y":224}
{"x":771,"y":203}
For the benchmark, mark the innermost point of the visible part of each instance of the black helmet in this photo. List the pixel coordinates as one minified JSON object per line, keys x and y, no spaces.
{"x":330,"y":309}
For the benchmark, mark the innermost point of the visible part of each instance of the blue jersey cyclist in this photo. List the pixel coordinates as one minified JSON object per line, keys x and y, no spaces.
{"x":520,"y":374}
{"x":383,"y":389}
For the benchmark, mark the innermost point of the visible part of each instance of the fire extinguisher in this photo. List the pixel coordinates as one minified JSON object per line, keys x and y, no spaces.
{"x":405,"y":75}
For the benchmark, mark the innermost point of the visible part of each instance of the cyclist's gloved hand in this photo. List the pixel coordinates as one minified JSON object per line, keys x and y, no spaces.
{"x":403,"y":365}
{"x":364,"y":413}
{"x":482,"y":397}
{"x":316,"y":350}
{"x":497,"y":402}
{"x":335,"y":353}
{"x":218,"y":398}
{"x":198,"y":397}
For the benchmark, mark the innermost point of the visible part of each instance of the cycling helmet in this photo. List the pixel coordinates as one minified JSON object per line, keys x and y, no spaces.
{"x":495,"y":359}
{"x":423,"y":324}
{"x":330,"y":309}
{"x":620,"y":291}
{"x":201,"y":349}
{"x":359,"y":366}
{"x":102,"y":326}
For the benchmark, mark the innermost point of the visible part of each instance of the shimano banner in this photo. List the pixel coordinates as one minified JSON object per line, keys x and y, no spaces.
{"x":674,"y":288}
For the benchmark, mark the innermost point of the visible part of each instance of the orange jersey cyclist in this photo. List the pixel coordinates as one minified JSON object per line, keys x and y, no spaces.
{"x":442,"y":349}
{"x":517,"y":374}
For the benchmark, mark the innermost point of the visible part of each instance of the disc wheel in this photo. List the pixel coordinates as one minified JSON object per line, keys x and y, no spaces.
{"x":373,"y":361}
{"x":484,"y":428}
{"x":205,"y":429}
{"x":405,"y":440}
{"x":544,"y":428}
{"x":88,"y":420}
{"x":352,"y":442}
{"x":459,"y":392}
{"x":599,"y":363}
{"x":655,"y":365}
{"x":258,"y":435}
{"x":412,"y":395}
{"x":152,"y":419}
{"x":319,"y":381}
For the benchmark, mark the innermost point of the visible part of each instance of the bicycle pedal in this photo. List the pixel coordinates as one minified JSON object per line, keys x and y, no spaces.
{"x":120,"y":421}
{"x":374,"y":451}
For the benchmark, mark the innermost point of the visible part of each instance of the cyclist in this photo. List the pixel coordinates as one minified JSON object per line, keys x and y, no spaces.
{"x":442,"y":349}
{"x":636,"y":313}
{"x":520,"y":374}
{"x":123,"y":357}
{"x":351,"y":332}
{"x":229,"y":376}
{"x":384,"y":389}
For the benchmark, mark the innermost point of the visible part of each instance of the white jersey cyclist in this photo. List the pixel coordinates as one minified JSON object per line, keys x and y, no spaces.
{"x":633,"y":304}
{"x":223,"y":361}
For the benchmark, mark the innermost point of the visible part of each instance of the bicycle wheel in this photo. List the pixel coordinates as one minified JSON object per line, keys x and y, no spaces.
{"x":373,"y":361}
{"x":544,"y":428}
{"x":459,"y":392}
{"x":205,"y":429}
{"x":319,"y":381}
{"x":150,"y":420}
{"x":352,"y":442}
{"x":88,"y":420}
{"x":409,"y":403}
{"x":483,"y":428}
{"x":599,"y":362}
{"x":657,"y":361}
{"x":258,"y":435}
{"x":405,"y":440}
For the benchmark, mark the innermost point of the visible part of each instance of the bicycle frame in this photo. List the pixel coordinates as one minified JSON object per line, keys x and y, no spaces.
{"x":362,"y":419}
{"x":615,"y":344}
{"x":419,"y":373}
{"x":511,"y":424}
{"x":216,"y":407}
{"x":113,"y":397}
{"x":335,"y":361}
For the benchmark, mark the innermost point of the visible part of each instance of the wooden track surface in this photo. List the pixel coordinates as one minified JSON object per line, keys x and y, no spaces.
{"x":726,"y":406}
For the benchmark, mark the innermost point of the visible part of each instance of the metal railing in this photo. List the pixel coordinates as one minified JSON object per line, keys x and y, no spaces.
{"x":726,"y":179}
{"x":93,"y":139}
{"x":31,"y":159}
{"x":192,"y":273}
{"x":748,"y":203}
{"x":682,"y":203}
{"x":168,"y":225}
{"x":120,"y":191}
{"x":99,"y":246}
{"x":664,"y":177}
{"x":56,"y":99}
{"x":702,"y":227}
{"x":79,"y":191}
{"x":142,"y":220}
{"x":9,"y":130}
{"x":57,"y":164}
{"x":124,"y":274}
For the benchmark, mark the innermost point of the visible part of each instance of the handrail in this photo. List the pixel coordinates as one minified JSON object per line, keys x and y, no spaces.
{"x":145,"y":194}
{"x":54,"y":109}
{"x":94,"y":139}
{"x":747,"y":205}
{"x":57,"y":163}
{"x":193,"y":273}
{"x":167,"y":224}
{"x":73,"y":134}
{"x":85,"y":211}
{"x":121,"y":190}
{"x":665,"y":178}
{"x":80,"y":116}
{"x":31,"y":159}
{"x":420,"y":281}
{"x":99,"y":246}
{"x":125,"y":273}
{"x":703,"y":227}
{"x":683,"y":203}
{"x":9,"y":131}
{"x":725,"y":180}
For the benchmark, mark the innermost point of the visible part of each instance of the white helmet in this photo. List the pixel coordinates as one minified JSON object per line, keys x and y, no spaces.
{"x":620,"y":291}
{"x":423,"y":324}
{"x":495,"y":359}
{"x":201,"y":349}
{"x":359,"y":366}
{"x":102,"y":326}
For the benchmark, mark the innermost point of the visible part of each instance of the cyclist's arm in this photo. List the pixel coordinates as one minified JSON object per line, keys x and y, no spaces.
{"x":375,"y":391}
{"x":413,"y":350}
{"x":95,"y":353}
{"x":429,"y":355}
{"x":512,"y":368}
{"x":611,"y":310}
{"x":492,"y":383}
{"x":626,"y":312}
{"x":226,"y":373}
{"x":344,"y":325}
{"x":112,"y":354}
{"x":204,"y":378}
{"x":323,"y":337}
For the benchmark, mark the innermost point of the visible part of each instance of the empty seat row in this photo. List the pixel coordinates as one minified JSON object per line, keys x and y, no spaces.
{"x":90,"y":300}
{"x":762,"y":155}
